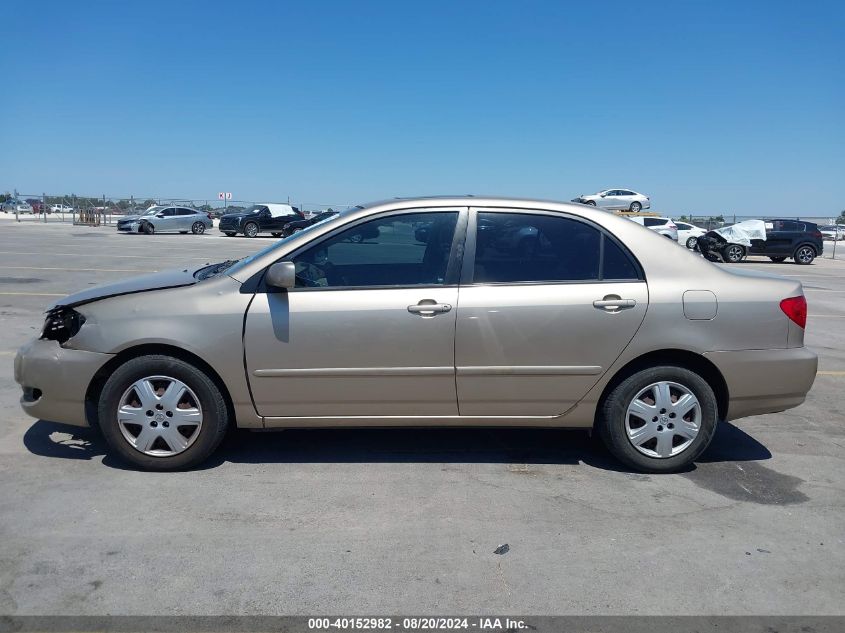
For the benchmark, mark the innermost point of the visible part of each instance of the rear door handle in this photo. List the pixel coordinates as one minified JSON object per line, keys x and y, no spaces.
{"x":428,"y":307}
{"x":614,"y":304}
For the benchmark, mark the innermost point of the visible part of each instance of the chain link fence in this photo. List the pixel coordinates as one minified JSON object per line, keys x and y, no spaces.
{"x":106,"y":210}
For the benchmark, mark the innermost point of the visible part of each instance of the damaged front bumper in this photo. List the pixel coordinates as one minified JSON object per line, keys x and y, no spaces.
{"x":55,"y":380}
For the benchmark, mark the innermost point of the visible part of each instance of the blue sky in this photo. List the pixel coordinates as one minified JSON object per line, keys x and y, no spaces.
{"x":735,"y":107}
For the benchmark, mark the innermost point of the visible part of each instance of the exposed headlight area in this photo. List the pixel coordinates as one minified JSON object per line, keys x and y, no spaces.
{"x":62,"y":323}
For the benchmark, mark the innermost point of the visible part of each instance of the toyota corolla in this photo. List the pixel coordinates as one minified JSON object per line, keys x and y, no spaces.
{"x":500,"y":312}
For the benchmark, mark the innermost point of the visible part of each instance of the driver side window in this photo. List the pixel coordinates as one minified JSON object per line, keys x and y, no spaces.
{"x":409,"y":249}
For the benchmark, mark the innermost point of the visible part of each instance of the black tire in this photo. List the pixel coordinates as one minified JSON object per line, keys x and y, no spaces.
{"x":229,"y":233}
{"x":276,"y":234}
{"x":215,"y":412}
{"x":198,"y":228}
{"x":692,"y":242}
{"x":778,"y":260}
{"x":592,"y":203}
{"x":250,"y":229}
{"x":636,"y":207}
{"x":804,"y":254}
{"x":148,"y":228}
{"x":611,"y":422}
{"x":733,"y":253}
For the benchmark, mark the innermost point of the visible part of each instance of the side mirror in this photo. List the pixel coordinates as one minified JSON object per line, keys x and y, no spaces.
{"x":159,"y":215}
{"x":603,"y":195}
{"x":281,"y":275}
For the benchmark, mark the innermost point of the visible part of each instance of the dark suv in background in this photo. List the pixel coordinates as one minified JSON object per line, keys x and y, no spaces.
{"x":800,"y":240}
{"x":260,"y":218}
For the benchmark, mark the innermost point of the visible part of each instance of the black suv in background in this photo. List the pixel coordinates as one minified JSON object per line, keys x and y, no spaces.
{"x":260,"y":218}
{"x":800,"y":240}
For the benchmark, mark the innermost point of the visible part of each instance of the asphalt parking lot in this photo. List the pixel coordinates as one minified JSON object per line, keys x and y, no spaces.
{"x":407,"y":521}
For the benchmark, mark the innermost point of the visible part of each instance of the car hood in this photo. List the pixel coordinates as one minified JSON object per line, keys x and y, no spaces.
{"x":141,"y":283}
{"x":129,"y":217}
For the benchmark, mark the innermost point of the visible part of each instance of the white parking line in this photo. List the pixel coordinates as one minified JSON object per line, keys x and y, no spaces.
{"x":104,"y":270}
{"x":32,"y":294}
{"x":89,"y":255}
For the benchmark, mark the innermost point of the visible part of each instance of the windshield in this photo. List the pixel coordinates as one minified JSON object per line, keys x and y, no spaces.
{"x":320,"y":220}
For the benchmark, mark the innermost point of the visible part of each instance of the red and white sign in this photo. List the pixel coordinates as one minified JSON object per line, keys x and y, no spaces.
{"x":224,"y":195}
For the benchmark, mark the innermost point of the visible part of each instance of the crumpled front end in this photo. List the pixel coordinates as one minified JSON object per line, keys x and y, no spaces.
{"x":55,"y":379}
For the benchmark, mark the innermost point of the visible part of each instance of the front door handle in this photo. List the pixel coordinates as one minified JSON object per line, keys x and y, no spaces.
{"x":429,"y":307}
{"x":614,"y":303}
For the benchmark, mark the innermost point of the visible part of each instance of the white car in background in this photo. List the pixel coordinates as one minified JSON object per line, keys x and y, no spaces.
{"x":16,"y":206}
{"x":688,"y":234}
{"x":664,"y":226}
{"x":616,"y":199}
{"x":833,"y":232}
{"x":61,"y":208}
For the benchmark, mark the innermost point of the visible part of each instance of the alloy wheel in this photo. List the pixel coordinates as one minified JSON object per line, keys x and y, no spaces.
{"x":805,"y":255}
{"x":250,"y":230}
{"x":159,"y":416}
{"x":663,"y":419}
{"x":734,"y":253}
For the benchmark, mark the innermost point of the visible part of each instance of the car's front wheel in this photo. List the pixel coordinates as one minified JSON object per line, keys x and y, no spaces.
{"x":733,"y":253}
{"x":659,"y":419}
{"x":636,"y":207}
{"x":162,"y":413}
{"x":691,"y":243}
{"x":591,"y":202}
{"x":148,"y":228}
{"x":804,"y":255}
{"x":198,"y":228}
{"x":250,"y":229}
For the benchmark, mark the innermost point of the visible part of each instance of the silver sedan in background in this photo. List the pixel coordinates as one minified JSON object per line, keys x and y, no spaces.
{"x":447,"y":312}
{"x":167,"y":218}
{"x":616,"y":200}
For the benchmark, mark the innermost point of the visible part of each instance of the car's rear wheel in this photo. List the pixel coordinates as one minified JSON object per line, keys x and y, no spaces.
{"x":229,"y":233}
{"x":659,"y":419}
{"x":691,"y":243}
{"x":198,"y":228}
{"x":162,"y":413}
{"x":636,"y":207}
{"x":250,"y":229}
{"x":804,"y":255}
{"x":148,"y":228}
{"x":733,"y":253}
{"x":778,"y":260}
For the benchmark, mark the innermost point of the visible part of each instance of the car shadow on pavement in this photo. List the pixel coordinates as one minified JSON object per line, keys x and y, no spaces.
{"x":379,"y":445}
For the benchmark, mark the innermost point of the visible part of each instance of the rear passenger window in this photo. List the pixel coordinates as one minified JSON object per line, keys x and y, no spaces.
{"x":654,"y":221}
{"x":523,"y":247}
{"x":617,"y":263}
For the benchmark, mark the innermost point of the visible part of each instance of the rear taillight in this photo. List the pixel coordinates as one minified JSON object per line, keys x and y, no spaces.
{"x":817,"y":234}
{"x":796,"y":309}
{"x":209,"y":216}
